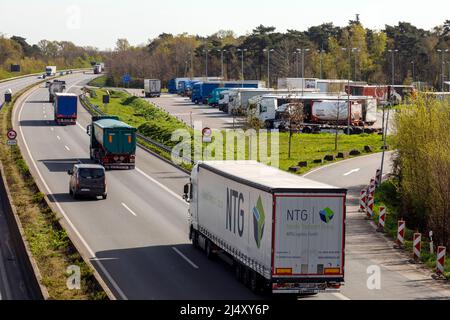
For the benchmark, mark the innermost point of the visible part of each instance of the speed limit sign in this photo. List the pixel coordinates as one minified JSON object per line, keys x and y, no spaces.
{"x":207,"y":135}
{"x":12,"y":135}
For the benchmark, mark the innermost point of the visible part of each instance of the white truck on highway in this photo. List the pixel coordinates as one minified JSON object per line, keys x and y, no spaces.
{"x":50,"y":71}
{"x":282,"y":232}
{"x":152,"y":88}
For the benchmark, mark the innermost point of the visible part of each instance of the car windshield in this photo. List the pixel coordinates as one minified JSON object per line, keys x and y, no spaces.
{"x":91,"y":173}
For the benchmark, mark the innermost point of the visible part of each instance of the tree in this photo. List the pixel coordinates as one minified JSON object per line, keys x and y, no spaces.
{"x":122,"y":45}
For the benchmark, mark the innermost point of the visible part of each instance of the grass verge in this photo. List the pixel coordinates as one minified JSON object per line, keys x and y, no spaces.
{"x":388,"y":197}
{"x":48,"y":242}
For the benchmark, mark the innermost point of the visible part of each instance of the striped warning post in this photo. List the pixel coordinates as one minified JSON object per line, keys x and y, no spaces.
{"x":401,"y":233}
{"x":372,"y":187}
{"x":362,"y":201}
{"x":382,"y":219}
{"x":370,"y":204}
{"x":440,"y":265}
{"x":417,"y":246}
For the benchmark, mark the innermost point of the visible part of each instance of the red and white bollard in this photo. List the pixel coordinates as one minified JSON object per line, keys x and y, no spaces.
{"x":382,"y":219}
{"x":372,"y":187}
{"x":362,"y":201}
{"x":370,"y":205}
{"x":440,"y":265}
{"x":417,"y":246}
{"x":401,"y":234}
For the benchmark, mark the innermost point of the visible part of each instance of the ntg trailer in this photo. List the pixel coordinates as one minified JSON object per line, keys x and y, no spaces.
{"x":283,"y":233}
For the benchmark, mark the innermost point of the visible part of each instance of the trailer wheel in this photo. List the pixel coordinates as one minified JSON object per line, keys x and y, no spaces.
{"x":307,"y":130}
{"x":246,"y":276}
{"x":208,"y":250}
{"x":238,"y":271}
{"x":254,"y":282}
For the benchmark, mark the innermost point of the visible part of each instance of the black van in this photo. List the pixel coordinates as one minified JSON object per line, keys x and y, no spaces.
{"x":87,"y":180}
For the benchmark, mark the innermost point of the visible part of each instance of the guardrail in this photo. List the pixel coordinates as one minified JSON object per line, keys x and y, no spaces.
{"x":95,"y":111}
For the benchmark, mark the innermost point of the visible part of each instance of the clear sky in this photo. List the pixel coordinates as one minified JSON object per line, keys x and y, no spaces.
{"x":100,"y":22}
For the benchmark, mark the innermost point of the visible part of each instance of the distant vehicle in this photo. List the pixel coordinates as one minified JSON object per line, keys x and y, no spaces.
{"x":202,"y":91}
{"x":152,"y":88}
{"x":98,"y":69}
{"x":87,"y":180}
{"x":42,"y":76}
{"x":283,"y":233}
{"x":50,"y":71}
{"x":113,"y":142}
{"x":65,"y":108}
{"x":54,"y":87}
{"x":213,"y":101}
{"x":47,"y":84}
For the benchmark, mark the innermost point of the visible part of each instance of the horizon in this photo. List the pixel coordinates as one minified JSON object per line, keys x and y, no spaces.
{"x":78,"y":16}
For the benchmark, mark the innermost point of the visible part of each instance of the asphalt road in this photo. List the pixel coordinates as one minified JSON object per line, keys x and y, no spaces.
{"x":12,"y":284}
{"x":137,"y":238}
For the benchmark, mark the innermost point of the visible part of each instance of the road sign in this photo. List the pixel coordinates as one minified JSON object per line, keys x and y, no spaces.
{"x":12,"y":135}
{"x":126,"y":78}
{"x":207,"y":135}
{"x":11,"y":143}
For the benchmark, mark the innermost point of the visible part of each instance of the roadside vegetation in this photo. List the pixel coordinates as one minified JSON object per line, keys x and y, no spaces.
{"x":48,"y":242}
{"x":158,"y":125}
{"x":419,"y":191}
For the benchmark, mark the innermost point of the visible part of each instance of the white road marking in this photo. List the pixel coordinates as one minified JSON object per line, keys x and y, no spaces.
{"x":58,"y":137}
{"x":351,"y":172}
{"x":341,"y":296}
{"x":185,"y":258}
{"x":71,"y":225}
{"x":45,"y":116}
{"x":52,"y":129}
{"x":67,"y":148}
{"x":131,"y":211}
{"x":177,"y":196}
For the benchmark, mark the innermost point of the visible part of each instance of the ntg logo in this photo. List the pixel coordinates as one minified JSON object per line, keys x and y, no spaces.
{"x":326,"y":215}
{"x":259,"y":221}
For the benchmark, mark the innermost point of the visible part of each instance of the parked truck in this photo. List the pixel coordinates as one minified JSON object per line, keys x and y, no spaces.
{"x":65,"y":108}
{"x":113,"y":142}
{"x":284,"y":233}
{"x":202,"y":91}
{"x":57,"y":86}
{"x":50,"y":71}
{"x":152,"y":88}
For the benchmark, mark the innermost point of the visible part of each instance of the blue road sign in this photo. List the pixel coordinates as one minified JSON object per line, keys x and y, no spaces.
{"x":126,"y":78}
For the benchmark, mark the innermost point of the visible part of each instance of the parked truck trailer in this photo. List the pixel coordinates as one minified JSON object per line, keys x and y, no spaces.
{"x":284,"y":233}
{"x":65,"y":108}
{"x":152,"y":88}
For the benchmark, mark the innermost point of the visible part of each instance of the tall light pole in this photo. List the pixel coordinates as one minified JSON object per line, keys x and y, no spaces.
{"x":242,"y":63}
{"x":221,"y":61}
{"x":349,"y":50}
{"x":268,"y":65}
{"x":303,"y":61}
{"x":320,"y":56}
{"x":393,"y":51}
{"x":206,"y":61}
{"x":297,"y":52}
{"x":442,"y":52}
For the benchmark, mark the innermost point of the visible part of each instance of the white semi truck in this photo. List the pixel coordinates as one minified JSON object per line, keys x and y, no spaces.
{"x":50,"y":71}
{"x":152,"y":88}
{"x":284,"y":233}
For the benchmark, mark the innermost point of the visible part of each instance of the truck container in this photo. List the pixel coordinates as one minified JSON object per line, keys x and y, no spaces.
{"x":172,"y":85}
{"x":152,"y":88}
{"x":113,"y":142}
{"x":50,"y":71}
{"x":98,"y":69}
{"x":283,"y":233}
{"x":65,"y":108}
{"x":57,"y":86}
{"x":213,"y":101}
{"x":201,"y":91}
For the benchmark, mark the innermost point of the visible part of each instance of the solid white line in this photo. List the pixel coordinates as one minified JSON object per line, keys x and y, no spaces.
{"x":77,"y":233}
{"x":177,"y":196}
{"x":52,"y":129}
{"x":45,"y":116}
{"x":58,"y":137}
{"x":351,"y":172}
{"x":185,"y":258}
{"x":67,"y":148}
{"x":131,"y":211}
{"x":341,"y":296}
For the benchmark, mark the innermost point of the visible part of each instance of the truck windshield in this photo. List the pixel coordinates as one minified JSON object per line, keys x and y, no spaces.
{"x":90,"y":173}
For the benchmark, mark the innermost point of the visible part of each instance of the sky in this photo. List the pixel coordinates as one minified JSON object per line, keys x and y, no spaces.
{"x":100,"y":23}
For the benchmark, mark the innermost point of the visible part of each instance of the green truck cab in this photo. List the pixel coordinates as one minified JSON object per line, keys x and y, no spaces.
{"x":113,"y":142}
{"x":213,"y":101}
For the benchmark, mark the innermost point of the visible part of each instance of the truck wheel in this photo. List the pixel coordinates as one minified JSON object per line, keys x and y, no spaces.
{"x":238,"y":271}
{"x":307,"y":130}
{"x":196,"y":101}
{"x":246,"y":276}
{"x":254,"y":282}
{"x":105,"y":196}
{"x":208,"y":250}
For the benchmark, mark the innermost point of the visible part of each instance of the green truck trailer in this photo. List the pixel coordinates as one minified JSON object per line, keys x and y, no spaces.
{"x":113,"y":142}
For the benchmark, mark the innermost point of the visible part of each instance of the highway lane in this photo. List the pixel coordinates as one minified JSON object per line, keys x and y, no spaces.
{"x":367,"y":250}
{"x":137,"y":238}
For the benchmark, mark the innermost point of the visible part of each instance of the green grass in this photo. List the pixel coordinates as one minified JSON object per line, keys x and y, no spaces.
{"x":99,"y":82}
{"x":388,"y":197}
{"x":158,"y":125}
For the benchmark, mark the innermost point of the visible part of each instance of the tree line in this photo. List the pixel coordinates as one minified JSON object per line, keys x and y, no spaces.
{"x":324,"y":51}
{"x":34,"y":58}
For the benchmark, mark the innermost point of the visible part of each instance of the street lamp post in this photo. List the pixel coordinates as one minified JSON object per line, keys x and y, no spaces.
{"x":442,"y":52}
{"x":303,"y":61}
{"x":268,"y":65}
{"x":242,"y":63}
{"x":393,"y":51}
{"x":297,"y":52}
{"x":206,"y":62}
{"x":349,"y":50}
{"x":320,"y":58}
{"x":221,"y":61}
